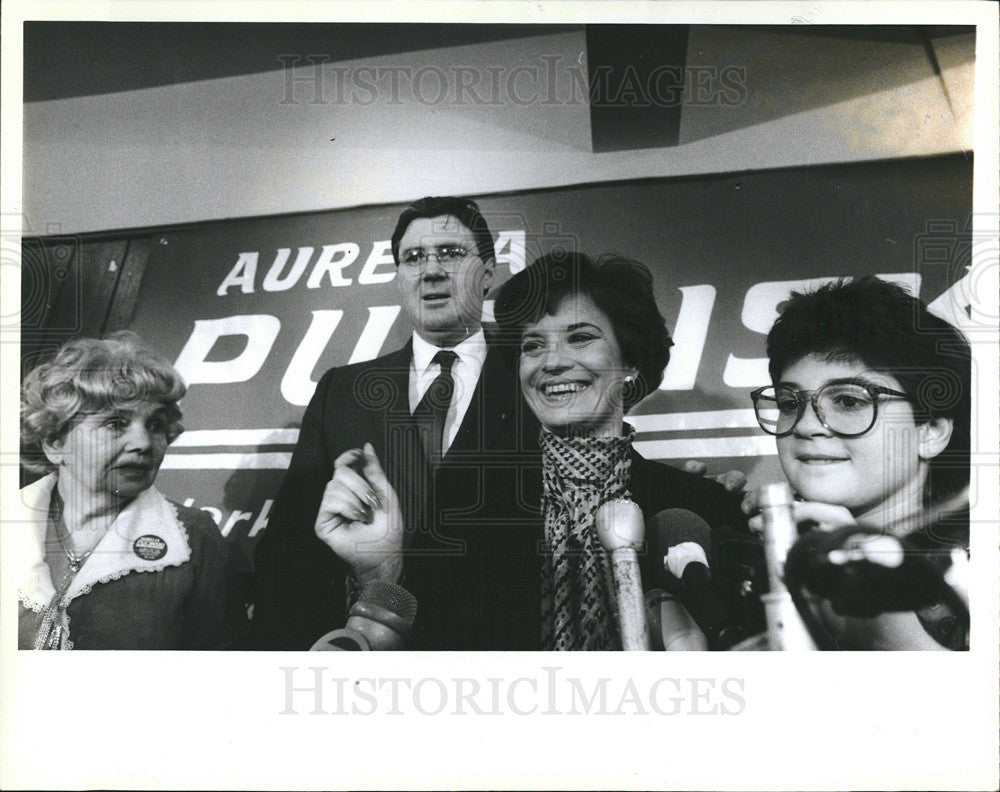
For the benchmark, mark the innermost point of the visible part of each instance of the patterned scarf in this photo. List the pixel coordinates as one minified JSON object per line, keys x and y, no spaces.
{"x":578,"y":594}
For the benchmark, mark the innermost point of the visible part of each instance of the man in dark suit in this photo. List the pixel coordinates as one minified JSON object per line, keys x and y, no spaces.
{"x":453,"y":436}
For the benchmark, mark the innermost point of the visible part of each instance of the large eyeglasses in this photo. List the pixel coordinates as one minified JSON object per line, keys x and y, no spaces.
{"x":848,"y":409}
{"x":448,"y":256}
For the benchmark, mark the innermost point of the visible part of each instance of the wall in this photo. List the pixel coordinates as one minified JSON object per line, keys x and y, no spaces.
{"x":247,"y":146}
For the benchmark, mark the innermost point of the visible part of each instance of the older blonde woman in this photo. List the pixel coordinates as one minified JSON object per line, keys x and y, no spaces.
{"x":106,"y":561}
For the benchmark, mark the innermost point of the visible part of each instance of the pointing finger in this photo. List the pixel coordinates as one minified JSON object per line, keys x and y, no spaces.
{"x":349,"y":458}
{"x":373,"y":470}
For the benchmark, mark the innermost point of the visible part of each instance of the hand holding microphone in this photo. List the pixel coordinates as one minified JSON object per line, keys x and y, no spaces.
{"x":621,"y":530}
{"x":860,"y":571}
{"x":809,"y":515}
{"x":865,"y":572}
{"x":359,"y":517}
{"x":380,"y":620}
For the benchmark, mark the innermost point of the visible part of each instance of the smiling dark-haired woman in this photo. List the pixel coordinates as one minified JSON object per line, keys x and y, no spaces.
{"x":105,"y":561}
{"x":591,"y":343}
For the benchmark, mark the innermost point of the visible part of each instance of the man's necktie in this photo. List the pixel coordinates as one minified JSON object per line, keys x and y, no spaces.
{"x":432,"y":411}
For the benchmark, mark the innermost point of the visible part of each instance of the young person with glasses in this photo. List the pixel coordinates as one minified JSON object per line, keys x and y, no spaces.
{"x":870,"y":410}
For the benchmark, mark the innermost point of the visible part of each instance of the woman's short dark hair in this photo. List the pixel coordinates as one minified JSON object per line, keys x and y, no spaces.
{"x":888,"y":330}
{"x":92,"y":375}
{"x":464,"y":210}
{"x":621,"y":288}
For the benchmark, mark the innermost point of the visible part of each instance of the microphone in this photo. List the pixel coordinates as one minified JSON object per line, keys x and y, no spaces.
{"x":380,"y":620}
{"x":863,"y":572}
{"x":786,"y":630}
{"x":620,"y":529}
{"x":342,"y":640}
{"x":671,"y":627}
{"x":686,"y":536}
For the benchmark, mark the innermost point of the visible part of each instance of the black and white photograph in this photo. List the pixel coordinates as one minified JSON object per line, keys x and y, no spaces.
{"x":477,"y":338}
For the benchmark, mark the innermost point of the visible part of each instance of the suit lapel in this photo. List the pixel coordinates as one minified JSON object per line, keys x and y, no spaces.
{"x":397,"y":378}
{"x":383,"y":390}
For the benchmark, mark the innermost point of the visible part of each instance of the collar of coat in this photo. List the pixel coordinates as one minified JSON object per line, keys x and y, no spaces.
{"x":146,"y":536}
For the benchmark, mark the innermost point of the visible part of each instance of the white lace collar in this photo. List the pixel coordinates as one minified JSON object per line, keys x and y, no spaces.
{"x":146,"y":536}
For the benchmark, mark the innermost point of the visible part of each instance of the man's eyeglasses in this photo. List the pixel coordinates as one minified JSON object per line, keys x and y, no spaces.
{"x":847,"y":409}
{"x":447,"y":256}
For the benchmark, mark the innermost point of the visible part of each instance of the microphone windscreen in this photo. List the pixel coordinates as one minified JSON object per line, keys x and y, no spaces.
{"x":677,"y":526}
{"x":679,"y":532}
{"x":342,"y":640}
{"x":387,"y":603}
{"x":619,"y":524}
{"x":892,"y":577}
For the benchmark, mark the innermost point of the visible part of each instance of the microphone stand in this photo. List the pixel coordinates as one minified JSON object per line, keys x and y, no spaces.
{"x":785,"y":629}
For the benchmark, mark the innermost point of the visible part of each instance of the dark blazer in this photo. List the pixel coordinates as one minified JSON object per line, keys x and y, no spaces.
{"x":472,"y":529}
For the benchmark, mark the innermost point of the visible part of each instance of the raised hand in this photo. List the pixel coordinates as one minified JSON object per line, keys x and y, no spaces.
{"x":808,"y":514}
{"x":359,"y":517}
{"x":732,"y":480}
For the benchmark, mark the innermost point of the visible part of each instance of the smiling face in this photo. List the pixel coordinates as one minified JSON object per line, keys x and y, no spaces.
{"x":112,"y":453}
{"x":879,"y":475}
{"x":444,"y":300}
{"x":571,"y":370}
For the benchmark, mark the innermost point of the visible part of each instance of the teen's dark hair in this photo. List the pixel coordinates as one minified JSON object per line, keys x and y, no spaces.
{"x":621,"y":288}
{"x":464,"y":210}
{"x":881,"y":325}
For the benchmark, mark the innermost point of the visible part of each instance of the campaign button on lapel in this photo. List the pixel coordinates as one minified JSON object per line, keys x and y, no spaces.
{"x":149,"y":547}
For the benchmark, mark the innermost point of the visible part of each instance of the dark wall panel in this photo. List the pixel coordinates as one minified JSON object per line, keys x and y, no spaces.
{"x":637,"y":80}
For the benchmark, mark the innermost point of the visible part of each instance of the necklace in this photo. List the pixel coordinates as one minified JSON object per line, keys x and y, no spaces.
{"x":53,"y":631}
{"x":75,"y":561}
{"x":65,"y":540}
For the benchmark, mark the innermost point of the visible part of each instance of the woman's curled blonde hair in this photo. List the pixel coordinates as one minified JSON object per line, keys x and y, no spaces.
{"x":92,"y":375}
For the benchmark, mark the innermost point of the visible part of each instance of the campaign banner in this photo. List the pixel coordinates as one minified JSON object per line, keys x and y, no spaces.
{"x":253,"y":311}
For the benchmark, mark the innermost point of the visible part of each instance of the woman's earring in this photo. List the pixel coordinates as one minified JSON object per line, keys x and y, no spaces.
{"x":630,"y":389}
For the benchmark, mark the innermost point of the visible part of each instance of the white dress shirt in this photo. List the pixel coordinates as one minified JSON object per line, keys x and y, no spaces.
{"x":465,"y":372}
